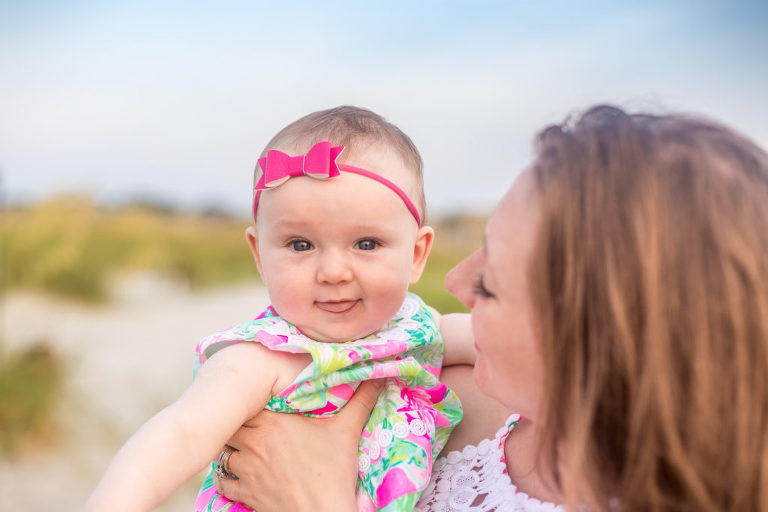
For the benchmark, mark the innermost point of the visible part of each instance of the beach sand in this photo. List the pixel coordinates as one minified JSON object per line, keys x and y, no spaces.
{"x":124,"y":361}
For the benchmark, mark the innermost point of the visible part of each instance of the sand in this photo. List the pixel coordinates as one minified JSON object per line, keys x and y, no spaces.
{"x":125,"y":361}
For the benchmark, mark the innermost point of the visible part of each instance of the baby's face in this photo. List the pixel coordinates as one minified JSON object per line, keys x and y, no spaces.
{"x":337,"y":255}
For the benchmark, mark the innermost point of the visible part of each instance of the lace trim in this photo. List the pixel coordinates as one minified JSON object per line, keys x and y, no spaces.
{"x":475,"y":480}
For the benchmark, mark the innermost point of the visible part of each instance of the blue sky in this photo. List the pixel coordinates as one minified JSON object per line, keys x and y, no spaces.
{"x":175,"y":100}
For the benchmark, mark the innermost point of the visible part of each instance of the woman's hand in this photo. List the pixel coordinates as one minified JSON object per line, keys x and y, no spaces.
{"x":290,"y":462}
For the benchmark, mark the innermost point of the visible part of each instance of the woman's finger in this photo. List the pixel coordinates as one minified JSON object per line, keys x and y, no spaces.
{"x":233,"y":462}
{"x":358,"y":409}
{"x":237,"y":439}
{"x":230,"y":487}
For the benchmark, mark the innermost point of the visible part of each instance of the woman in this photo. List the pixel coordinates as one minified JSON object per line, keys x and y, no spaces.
{"x":620,"y":304}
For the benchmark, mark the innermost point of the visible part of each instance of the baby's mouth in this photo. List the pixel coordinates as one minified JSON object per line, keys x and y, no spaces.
{"x":337,"y":306}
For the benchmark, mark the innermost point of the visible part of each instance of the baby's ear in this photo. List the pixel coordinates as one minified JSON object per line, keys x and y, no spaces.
{"x":252,"y":239}
{"x":424,"y":240}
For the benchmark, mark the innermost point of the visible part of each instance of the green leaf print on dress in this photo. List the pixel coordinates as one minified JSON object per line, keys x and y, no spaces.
{"x":413,"y":416}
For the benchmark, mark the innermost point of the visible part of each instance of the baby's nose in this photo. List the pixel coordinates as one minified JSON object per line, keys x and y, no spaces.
{"x":334,"y":268}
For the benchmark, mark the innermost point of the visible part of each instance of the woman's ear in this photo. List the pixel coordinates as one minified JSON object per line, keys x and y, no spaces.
{"x":252,"y":238}
{"x":424,"y":239}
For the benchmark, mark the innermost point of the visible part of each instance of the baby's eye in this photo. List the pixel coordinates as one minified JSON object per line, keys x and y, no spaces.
{"x":300,"y":245}
{"x":367,"y":244}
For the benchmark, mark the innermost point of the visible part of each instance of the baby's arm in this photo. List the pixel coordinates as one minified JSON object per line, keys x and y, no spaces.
{"x":230,"y":388}
{"x":459,"y":342}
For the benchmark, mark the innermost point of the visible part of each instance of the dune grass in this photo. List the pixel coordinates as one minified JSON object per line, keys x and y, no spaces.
{"x":431,"y":288}
{"x":30,"y":385}
{"x":455,"y":239}
{"x":70,"y":247}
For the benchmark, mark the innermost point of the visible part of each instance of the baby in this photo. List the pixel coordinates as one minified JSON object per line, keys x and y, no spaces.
{"x":338,"y":238}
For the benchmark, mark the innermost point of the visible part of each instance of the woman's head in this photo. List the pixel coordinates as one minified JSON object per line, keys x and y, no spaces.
{"x":647,"y":279}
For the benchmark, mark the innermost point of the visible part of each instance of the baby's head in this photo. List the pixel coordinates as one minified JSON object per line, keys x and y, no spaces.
{"x":337,"y":254}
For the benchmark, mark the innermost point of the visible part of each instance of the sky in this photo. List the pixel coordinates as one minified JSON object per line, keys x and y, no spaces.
{"x":173,"y":101}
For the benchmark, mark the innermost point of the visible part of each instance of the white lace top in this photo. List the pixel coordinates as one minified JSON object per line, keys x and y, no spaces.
{"x":475,"y":480}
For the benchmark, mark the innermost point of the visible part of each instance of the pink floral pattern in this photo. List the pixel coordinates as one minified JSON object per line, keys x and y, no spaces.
{"x":412,"y":419}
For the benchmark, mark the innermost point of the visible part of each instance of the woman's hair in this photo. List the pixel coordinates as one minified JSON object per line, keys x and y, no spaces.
{"x":356,"y":129}
{"x":650,"y":281}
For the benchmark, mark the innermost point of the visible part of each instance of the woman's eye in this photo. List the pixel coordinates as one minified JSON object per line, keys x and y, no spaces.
{"x":480,"y":288}
{"x":367,"y":245}
{"x":300,"y":245}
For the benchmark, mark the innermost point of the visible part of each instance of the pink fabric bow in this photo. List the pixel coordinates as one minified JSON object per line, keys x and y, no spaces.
{"x":319,"y":162}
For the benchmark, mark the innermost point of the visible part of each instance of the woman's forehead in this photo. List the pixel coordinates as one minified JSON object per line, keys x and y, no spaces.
{"x":511,"y":228}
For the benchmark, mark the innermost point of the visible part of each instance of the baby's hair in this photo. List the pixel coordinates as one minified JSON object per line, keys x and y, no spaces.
{"x":356,"y":129}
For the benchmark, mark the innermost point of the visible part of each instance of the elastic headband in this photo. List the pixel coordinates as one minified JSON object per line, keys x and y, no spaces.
{"x":319,"y":163}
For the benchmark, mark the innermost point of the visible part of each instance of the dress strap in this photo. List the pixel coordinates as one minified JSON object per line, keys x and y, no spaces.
{"x":503,"y":433}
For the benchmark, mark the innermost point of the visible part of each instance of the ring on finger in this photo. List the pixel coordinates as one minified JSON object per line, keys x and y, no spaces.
{"x":222,"y":464}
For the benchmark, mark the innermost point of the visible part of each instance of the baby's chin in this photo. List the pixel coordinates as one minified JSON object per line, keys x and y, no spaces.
{"x":339,"y":335}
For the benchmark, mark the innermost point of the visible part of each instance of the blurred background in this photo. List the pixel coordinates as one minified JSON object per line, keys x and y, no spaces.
{"x":129,"y":131}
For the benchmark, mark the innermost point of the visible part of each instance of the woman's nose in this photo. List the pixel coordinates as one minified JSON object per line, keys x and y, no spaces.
{"x":333,"y":268}
{"x":458,"y":281}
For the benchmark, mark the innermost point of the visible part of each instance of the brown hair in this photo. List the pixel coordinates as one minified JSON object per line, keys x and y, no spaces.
{"x":356,"y":129}
{"x":650,"y":279}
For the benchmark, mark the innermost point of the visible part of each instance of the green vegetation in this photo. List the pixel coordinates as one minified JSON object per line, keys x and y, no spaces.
{"x":70,"y":247}
{"x":455,"y":239}
{"x":30,"y":384}
{"x":431,"y":285}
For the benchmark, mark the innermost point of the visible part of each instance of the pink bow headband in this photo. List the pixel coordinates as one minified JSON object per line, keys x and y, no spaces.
{"x":318,"y":163}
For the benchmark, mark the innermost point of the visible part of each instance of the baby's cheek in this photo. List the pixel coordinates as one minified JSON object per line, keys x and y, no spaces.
{"x":286,"y":301}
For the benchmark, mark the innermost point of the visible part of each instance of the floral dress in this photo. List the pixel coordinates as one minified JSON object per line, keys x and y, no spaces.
{"x":412,"y":418}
